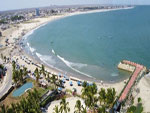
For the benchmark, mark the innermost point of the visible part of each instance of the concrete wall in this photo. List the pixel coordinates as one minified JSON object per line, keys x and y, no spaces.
{"x":126,"y":67}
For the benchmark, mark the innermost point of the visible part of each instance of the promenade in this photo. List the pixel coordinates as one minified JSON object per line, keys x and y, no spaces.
{"x":138,"y":69}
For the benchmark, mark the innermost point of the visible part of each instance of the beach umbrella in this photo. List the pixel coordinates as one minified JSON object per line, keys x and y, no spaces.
{"x":71,"y":83}
{"x":59,"y":88}
{"x":59,"y":74}
{"x":79,"y":83}
{"x":64,"y":76}
{"x":63,"y":80}
{"x":67,"y":78}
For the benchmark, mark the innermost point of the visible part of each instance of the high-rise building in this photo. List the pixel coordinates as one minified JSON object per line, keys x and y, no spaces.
{"x":37,"y":12}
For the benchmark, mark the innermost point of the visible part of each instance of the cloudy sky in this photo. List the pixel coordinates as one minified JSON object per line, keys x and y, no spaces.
{"x":19,"y":4}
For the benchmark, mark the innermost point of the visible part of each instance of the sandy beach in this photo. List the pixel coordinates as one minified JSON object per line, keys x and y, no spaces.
{"x":13,"y":51}
{"x":14,"y":34}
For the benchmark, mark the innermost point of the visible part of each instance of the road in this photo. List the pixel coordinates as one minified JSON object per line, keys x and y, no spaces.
{"x":7,"y":82}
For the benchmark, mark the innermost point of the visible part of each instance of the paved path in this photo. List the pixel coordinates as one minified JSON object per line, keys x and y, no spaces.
{"x":138,"y":69}
{"x":7,"y":82}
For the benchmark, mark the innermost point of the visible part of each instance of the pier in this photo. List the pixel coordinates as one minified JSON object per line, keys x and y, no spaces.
{"x":137,"y":72}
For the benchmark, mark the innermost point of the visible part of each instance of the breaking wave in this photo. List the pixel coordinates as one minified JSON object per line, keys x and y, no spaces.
{"x":53,"y":51}
{"x":31,"y":49}
{"x":73,"y":65}
{"x":46,"y":59}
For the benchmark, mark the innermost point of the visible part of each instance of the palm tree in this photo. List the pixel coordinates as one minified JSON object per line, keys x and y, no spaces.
{"x":15,"y":77}
{"x":84,"y":109}
{"x":53,"y":80}
{"x":43,"y":70}
{"x":102,"y":109}
{"x":64,"y":106}
{"x":14,"y":65}
{"x":102,"y":96}
{"x":89,"y":95}
{"x":37,"y":75}
{"x":78,"y":107}
{"x":25,"y":72}
{"x":110,"y":96}
{"x":56,"y":109}
{"x":4,"y":109}
{"x":21,"y":75}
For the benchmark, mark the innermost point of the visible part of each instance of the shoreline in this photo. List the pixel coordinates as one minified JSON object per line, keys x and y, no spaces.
{"x":15,"y":53}
{"x":37,"y":23}
{"x":87,"y":78}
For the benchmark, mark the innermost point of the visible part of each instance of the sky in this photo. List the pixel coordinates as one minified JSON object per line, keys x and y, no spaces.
{"x":20,"y":4}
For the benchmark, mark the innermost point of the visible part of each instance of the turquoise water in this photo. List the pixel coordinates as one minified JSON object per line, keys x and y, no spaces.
{"x":22,"y":89}
{"x":93,"y":44}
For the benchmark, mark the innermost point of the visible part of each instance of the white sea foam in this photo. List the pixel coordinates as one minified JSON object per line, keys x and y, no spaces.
{"x":28,"y":34}
{"x":46,"y":59}
{"x":53,"y":51}
{"x":114,"y":74}
{"x":32,"y":49}
{"x":32,"y":31}
{"x":72,"y":65}
{"x":28,"y":44}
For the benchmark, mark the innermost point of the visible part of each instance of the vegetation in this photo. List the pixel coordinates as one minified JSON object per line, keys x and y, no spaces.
{"x":136,"y":109}
{"x":56,"y":109}
{"x":0,"y":33}
{"x":96,"y":102}
{"x":18,"y":74}
{"x":64,"y":106}
{"x":3,"y":21}
{"x":30,"y":104}
{"x":37,"y":75}
{"x":13,"y":18}
{"x":78,"y":107}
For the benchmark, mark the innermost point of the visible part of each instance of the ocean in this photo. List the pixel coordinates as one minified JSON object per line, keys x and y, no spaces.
{"x":91,"y":45}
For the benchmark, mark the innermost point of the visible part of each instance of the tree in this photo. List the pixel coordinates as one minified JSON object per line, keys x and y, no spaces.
{"x":102,"y":96}
{"x":14,"y":65}
{"x":25,"y":72}
{"x":64,"y":106}
{"x":15,"y":77}
{"x":37,"y":75}
{"x":89,"y":95}
{"x":0,"y":33}
{"x":43,"y":70}
{"x":53,"y":80}
{"x":78,"y":107}
{"x":4,"y":109}
{"x":20,"y":72}
{"x":102,"y":109}
{"x":56,"y":109}
{"x":139,"y":100}
{"x":84,"y":110}
{"x":110,"y":96}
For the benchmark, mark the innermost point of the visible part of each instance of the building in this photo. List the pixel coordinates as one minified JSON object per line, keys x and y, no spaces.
{"x":37,"y":11}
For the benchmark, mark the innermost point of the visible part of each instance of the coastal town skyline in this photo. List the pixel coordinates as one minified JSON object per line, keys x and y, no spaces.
{"x":11,"y":5}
